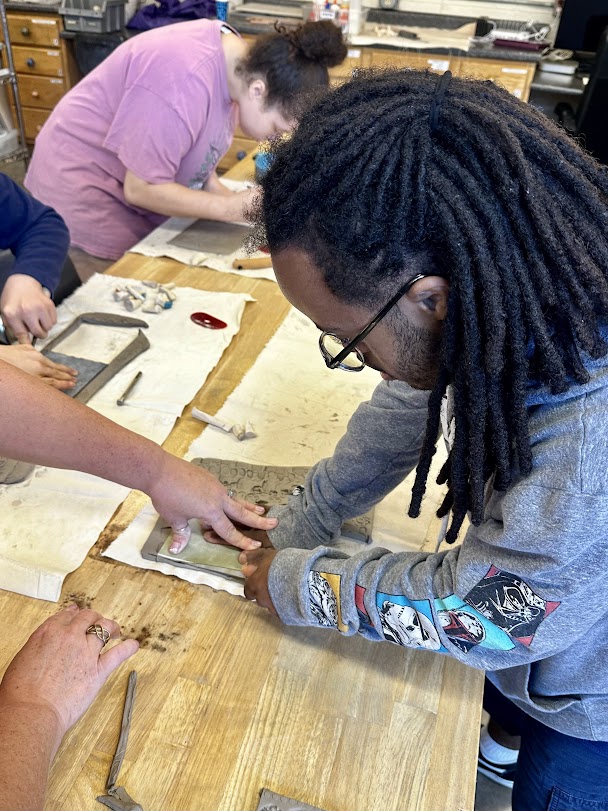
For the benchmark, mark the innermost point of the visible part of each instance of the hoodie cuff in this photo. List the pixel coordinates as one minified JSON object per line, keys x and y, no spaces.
{"x":293,"y":529}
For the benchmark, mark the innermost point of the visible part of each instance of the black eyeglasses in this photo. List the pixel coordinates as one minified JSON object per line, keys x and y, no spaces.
{"x":340,"y":355}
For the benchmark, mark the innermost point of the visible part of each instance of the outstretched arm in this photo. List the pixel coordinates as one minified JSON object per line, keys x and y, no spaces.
{"x":380,"y":447}
{"x":43,"y":426}
{"x":175,"y":200}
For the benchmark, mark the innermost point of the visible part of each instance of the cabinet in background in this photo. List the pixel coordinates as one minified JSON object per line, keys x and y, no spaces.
{"x":44,"y":64}
{"x":516,"y":77}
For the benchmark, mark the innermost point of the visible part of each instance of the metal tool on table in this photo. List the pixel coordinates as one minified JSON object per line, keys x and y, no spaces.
{"x":117,"y":798}
{"x":129,"y":390}
{"x":93,"y":375}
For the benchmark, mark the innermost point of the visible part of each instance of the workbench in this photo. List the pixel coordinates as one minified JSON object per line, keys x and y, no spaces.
{"x":228,"y":699}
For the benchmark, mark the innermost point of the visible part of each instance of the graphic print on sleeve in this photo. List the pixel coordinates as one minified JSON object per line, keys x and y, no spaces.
{"x":466,"y":628}
{"x":407,"y":622}
{"x":365,"y":624}
{"x":324,"y":591}
{"x":509,"y":603}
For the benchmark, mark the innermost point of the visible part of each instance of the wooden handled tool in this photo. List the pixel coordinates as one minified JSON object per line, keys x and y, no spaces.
{"x":252,"y":263}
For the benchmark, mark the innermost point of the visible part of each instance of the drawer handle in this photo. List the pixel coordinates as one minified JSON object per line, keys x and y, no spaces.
{"x":241,"y":154}
{"x":25,"y":32}
{"x":35,"y":94}
{"x":31,"y":63}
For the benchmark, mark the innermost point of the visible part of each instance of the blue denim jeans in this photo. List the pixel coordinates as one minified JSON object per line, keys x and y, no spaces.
{"x":555,"y":772}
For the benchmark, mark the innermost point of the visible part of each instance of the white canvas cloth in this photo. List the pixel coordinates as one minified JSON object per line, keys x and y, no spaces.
{"x":157,"y":243}
{"x":49,"y":522}
{"x":300,"y":410}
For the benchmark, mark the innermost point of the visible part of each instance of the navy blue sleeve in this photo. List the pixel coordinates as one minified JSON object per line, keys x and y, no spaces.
{"x":35,"y":234}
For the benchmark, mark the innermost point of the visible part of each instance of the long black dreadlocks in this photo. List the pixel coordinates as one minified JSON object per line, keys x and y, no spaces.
{"x":487,"y":192}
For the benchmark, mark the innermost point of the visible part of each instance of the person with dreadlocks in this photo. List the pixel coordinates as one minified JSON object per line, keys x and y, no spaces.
{"x":452,"y":237}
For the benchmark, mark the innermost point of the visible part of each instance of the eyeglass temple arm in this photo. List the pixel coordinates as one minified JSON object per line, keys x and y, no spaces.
{"x":350,"y":346}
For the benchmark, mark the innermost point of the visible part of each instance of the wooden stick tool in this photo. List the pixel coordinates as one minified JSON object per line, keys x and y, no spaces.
{"x":252,"y":263}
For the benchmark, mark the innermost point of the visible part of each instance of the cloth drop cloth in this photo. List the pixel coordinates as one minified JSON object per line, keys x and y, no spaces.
{"x":157,"y":243}
{"x":49,"y":522}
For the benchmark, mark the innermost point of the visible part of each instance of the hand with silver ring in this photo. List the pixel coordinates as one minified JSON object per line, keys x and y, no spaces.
{"x":231,"y":492}
{"x":100,"y":632}
{"x":61,"y":668}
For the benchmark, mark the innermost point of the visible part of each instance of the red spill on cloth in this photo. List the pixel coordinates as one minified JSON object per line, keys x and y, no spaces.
{"x":208,"y":321}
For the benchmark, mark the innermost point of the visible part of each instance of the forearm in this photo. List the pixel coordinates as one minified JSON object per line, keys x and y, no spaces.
{"x":215,"y":186}
{"x":29,"y":739}
{"x":46,"y":427}
{"x":381,"y":446}
{"x":175,"y":200}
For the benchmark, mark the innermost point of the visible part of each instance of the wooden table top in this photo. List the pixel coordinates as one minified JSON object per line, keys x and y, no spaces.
{"x":229,"y":700}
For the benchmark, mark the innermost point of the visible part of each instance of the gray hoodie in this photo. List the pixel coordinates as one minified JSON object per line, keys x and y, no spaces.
{"x":525,"y":596}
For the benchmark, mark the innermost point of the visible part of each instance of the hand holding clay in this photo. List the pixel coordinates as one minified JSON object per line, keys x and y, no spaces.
{"x":61,"y":668}
{"x":182,"y":491}
{"x":255,"y":568}
{"x":29,"y":360}
{"x":26,"y":308}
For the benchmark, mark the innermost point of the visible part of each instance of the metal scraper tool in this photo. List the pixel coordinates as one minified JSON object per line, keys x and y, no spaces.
{"x":101,"y":373}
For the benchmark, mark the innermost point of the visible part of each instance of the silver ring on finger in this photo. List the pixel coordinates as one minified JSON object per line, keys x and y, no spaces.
{"x":231,"y":492}
{"x":181,"y":529}
{"x":100,"y":632}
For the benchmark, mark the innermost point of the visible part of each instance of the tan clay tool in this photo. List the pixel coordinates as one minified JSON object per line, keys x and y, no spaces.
{"x":117,"y":798}
{"x":252,"y":263}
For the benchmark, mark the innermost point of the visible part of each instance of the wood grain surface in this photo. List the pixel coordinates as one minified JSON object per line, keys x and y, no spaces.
{"x":230,"y":701}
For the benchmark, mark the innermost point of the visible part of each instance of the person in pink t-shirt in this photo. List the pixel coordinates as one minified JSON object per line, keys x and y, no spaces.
{"x":139,"y":138}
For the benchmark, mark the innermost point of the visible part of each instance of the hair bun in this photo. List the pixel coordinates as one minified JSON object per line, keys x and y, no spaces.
{"x":321,"y":42}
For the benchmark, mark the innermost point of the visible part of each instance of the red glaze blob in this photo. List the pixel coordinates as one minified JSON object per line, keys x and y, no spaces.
{"x":208,"y":321}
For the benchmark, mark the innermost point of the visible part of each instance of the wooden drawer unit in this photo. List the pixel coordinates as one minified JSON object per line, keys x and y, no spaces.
{"x":438,"y":63}
{"x":34,"y":29}
{"x":44,"y":64}
{"x":33,"y":121}
{"x":40,"y":91}
{"x":516,"y":77}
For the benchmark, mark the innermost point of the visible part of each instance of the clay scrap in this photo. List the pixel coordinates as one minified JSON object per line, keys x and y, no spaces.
{"x":271,"y":801}
{"x":117,"y":797}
